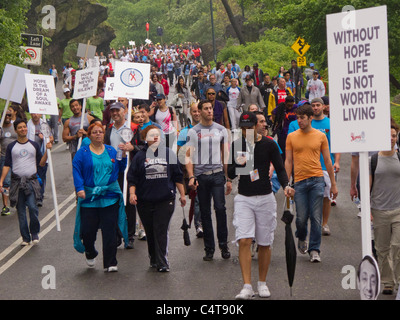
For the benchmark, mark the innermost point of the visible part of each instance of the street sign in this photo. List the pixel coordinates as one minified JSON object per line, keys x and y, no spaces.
{"x":300,"y":46}
{"x":32,"y":46}
{"x":301,"y":61}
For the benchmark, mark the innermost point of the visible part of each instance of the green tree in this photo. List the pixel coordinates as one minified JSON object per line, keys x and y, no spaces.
{"x":12,"y":24}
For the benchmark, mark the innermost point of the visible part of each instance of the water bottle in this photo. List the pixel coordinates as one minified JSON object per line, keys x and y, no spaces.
{"x":357,"y":202}
{"x":119,"y":154}
{"x":6,"y":192}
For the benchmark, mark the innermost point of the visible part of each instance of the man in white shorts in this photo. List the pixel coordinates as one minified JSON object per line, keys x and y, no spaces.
{"x":255,"y":205}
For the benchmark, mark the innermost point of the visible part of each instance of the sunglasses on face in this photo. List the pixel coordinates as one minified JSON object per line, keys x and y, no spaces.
{"x":8,"y":114}
{"x":211,"y":93}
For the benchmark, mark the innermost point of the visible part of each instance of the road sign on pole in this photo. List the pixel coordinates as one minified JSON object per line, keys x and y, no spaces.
{"x":300,"y":46}
{"x":33,"y":46}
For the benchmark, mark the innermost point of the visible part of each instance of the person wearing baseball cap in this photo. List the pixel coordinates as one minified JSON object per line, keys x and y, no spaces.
{"x":255,"y":204}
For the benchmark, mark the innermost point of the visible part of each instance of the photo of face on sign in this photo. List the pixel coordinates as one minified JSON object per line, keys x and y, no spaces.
{"x":368,"y":279}
{"x":126,"y":134}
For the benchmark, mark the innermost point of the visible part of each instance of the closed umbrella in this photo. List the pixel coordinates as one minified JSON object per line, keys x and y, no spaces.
{"x":192,"y":197}
{"x":185,"y":227}
{"x":290,"y":247}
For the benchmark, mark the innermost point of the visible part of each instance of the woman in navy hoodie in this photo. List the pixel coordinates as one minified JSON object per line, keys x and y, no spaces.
{"x":153,"y":177}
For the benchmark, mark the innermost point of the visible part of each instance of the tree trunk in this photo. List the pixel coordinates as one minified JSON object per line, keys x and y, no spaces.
{"x":233,"y":21}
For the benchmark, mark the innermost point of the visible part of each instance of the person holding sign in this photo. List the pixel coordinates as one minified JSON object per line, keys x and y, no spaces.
{"x":8,"y":135}
{"x":72,"y":127}
{"x":23,"y":157}
{"x":100,"y":201}
{"x":303,"y":150}
{"x":35,"y":134}
{"x":385,"y":211}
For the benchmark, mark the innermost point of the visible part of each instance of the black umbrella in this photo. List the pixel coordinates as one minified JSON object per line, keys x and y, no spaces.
{"x":290,"y":247}
{"x":185,"y":227}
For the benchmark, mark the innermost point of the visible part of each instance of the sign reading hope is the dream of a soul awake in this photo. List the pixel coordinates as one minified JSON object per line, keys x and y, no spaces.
{"x":41,"y":94}
{"x":359,"y":92}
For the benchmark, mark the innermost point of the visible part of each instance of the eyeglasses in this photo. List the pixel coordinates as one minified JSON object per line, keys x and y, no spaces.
{"x":211,"y":93}
{"x":8,"y":114}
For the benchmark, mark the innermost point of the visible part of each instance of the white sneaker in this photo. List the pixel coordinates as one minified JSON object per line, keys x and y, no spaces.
{"x":245,"y":294}
{"x":314,"y":256}
{"x":111,"y":269}
{"x":90,"y":262}
{"x":263,"y":291}
{"x":24,"y":243}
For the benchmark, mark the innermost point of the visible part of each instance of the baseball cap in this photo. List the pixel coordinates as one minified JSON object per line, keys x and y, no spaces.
{"x":325,"y":99}
{"x":66,"y":90}
{"x":160,"y":96}
{"x":117,"y":105}
{"x":248,"y":77}
{"x":247,"y":119}
{"x":311,"y":64}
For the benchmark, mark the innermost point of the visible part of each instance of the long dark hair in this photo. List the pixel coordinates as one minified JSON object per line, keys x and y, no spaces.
{"x":178,"y":87}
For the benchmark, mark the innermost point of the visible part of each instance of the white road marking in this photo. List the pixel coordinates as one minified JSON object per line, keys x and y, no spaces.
{"x":24,"y":250}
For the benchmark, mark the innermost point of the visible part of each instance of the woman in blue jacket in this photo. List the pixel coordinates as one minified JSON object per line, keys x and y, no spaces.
{"x":100,"y":200}
{"x":153,"y":177}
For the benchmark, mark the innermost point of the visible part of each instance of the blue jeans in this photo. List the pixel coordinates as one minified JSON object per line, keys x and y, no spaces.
{"x":212,"y":186}
{"x":309,"y":199}
{"x":34,"y":224}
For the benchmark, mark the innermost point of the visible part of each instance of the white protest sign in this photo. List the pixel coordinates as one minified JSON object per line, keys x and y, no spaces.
{"x":41,"y":94}
{"x":86,"y":83}
{"x":12,"y":87}
{"x":109,"y":89}
{"x":359,"y":92}
{"x":86,"y":50}
{"x":132,"y":80}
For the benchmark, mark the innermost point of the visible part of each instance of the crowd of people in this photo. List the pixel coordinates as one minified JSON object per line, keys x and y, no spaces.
{"x":200,"y":129}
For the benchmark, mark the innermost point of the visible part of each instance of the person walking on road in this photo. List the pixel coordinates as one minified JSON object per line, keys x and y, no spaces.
{"x":303,"y":150}
{"x":206,"y":164}
{"x":8,"y":135}
{"x":23,"y":157}
{"x":72,"y":127}
{"x":385,"y":211}
{"x":100,"y":201}
{"x":155,"y":167}
{"x":255,"y":204}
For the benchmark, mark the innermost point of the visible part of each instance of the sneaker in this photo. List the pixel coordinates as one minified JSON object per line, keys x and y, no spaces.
{"x":130,"y":244}
{"x":388,"y":289}
{"x":225,"y":254}
{"x":24,"y":243}
{"x":199,"y":232}
{"x":142,"y":235}
{"x":209,"y":256}
{"x":302,"y":246}
{"x":163,"y":269}
{"x":5,"y":211}
{"x":326,"y":231}
{"x":245,"y":294}
{"x":35,"y":241}
{"x":91,"y":262}
{"x":314,"y":256}
{"x":111,"y":269}
{"x":263,"y":291}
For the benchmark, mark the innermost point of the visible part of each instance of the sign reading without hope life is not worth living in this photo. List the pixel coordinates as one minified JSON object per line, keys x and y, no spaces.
{"x":359,"y":92}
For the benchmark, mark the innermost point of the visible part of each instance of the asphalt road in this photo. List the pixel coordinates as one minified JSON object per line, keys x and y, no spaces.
{"x":27,"y":273}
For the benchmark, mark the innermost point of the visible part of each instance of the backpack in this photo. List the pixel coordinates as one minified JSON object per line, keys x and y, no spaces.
{"x":374,"y":163}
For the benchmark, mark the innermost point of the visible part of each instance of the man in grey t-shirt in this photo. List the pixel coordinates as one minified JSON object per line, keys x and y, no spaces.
{"x":207,"y":162}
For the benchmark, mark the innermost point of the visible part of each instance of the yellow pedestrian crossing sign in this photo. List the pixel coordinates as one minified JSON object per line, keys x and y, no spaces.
{"x":300,"y":46}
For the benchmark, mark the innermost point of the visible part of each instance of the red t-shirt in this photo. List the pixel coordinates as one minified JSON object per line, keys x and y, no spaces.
{"x":281,"y":95}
